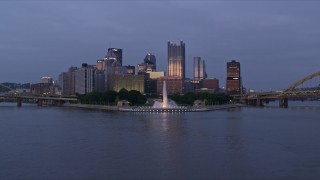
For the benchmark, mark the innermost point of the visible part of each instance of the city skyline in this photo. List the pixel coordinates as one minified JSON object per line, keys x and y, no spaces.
{"x":276,"y":42}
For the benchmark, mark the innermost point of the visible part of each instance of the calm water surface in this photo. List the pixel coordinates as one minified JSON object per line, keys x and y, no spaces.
{"x":247,"y":143}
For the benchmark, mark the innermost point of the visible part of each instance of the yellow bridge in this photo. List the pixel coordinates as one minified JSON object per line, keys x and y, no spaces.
{"x":292,"y":92}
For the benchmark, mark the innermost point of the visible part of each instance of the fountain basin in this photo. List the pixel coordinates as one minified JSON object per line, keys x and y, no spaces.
{"x":166,"y":105}
{"x":179,"y":109}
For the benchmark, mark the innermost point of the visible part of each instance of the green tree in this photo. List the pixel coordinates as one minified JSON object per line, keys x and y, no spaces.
{"x":189,"y":98}
{"x":123,"y":94}
{"x":136,"y":98}
{"x":176,"y":97}
{"x":110,"y":97}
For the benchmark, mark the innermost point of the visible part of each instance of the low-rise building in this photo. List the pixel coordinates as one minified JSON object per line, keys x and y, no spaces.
{"x":174,"y":85}
{"x":127,"y":81}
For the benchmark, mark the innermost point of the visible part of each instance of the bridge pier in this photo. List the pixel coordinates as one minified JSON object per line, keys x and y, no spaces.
{"x":260,"y":102}
{"x":58,"y":102}
{"x":39,"y":102}
{"x":255,"y":102}
{"x":19,"y":102}
{"x":283,"y":102}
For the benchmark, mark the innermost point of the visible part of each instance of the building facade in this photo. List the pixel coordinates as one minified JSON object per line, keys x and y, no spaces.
{"x":174,"y":85}
{"x":67,"y":80}
{"x":131,"y":69}
{"x":155,"y":75}
{"x":100,"y":65}
{"x":46,"y":80}
{"x":209,"y":85}
{"x":233,"y":82}
{"x":128,"y":82}
{"x":84,"y":79}
{"x":99,"y":81}
{"x":176,"y":60}
{"x":42,"y":89}
{"x":199,"y":69}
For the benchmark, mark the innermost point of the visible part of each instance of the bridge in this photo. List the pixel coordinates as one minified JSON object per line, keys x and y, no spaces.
{"x":40,"y":100}
{"x":296,"y":91}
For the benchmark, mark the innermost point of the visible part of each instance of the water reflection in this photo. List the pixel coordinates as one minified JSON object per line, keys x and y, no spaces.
{"x":234,"y":137}
{"x":161,"y":122}
{"x":251,"y":143}
{"x":166,"y":132}
{"x":296,"y":105}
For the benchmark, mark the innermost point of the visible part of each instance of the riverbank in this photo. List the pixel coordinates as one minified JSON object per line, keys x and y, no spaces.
{"x":116,"y":108}
{"x":91,"y":106}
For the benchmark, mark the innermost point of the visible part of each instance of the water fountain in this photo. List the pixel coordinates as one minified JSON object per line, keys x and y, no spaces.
{"x":166,"y":105}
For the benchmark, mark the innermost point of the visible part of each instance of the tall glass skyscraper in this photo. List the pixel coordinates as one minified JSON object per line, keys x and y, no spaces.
{"x":176,"y":60}
{"x":199,"y":69}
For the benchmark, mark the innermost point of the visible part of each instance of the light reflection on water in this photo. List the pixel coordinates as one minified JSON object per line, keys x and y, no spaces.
{"x":248,"y":143}
{"x":298,"y":104}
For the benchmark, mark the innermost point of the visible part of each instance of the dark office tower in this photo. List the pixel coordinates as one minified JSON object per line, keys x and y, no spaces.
{"x":148,"y":65}
{"x":233,"y":77}
{"x":115,"y":54}
{"x":150,"y":59}
{"x":199,"y":69}
{"x":176,"y":60}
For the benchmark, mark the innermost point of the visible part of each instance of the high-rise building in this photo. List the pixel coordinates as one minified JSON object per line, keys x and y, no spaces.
{"x":150,"y":59}
{"x":112,"y":64}
{"x":233,"y":84}
{"x":176,"y":60}
{"x":99,"y":81}
{"x":148,"y":65}
{"x":84,"y":79}
{"x":115,"y":54}
{"x":66,"y":81}
{"x":199,"y":69}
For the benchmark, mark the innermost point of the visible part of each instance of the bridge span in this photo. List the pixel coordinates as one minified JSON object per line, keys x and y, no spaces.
{"x":258,"y":99}
{"x":40,"y":100}
{"x":293,"y":92}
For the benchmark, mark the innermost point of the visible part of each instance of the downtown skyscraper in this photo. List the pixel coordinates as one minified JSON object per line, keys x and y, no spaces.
{"x":115,"y":54}
{"x":234,"y":84}
{"x":199,"y":69}
{"x":176,"y":60}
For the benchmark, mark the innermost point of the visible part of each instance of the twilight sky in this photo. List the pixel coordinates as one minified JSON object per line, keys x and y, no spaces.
{"x":276,"y":42}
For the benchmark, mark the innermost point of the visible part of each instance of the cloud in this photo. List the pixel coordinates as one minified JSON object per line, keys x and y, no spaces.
{"x":266,"y":37}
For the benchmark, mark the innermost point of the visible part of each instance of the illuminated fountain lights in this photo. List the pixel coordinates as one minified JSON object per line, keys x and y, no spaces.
{"x":166,"y":105}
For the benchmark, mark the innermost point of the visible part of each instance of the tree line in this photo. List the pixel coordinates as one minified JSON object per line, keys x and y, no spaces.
{"x":112,"y":97}
{"x":136,"y":98}
{"x":207,"y":98}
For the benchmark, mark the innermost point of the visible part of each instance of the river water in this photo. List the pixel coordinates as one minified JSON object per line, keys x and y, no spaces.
{"x":245,"y":143}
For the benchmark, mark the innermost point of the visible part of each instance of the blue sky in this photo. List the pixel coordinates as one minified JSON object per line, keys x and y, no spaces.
{"x":276,"y":42}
